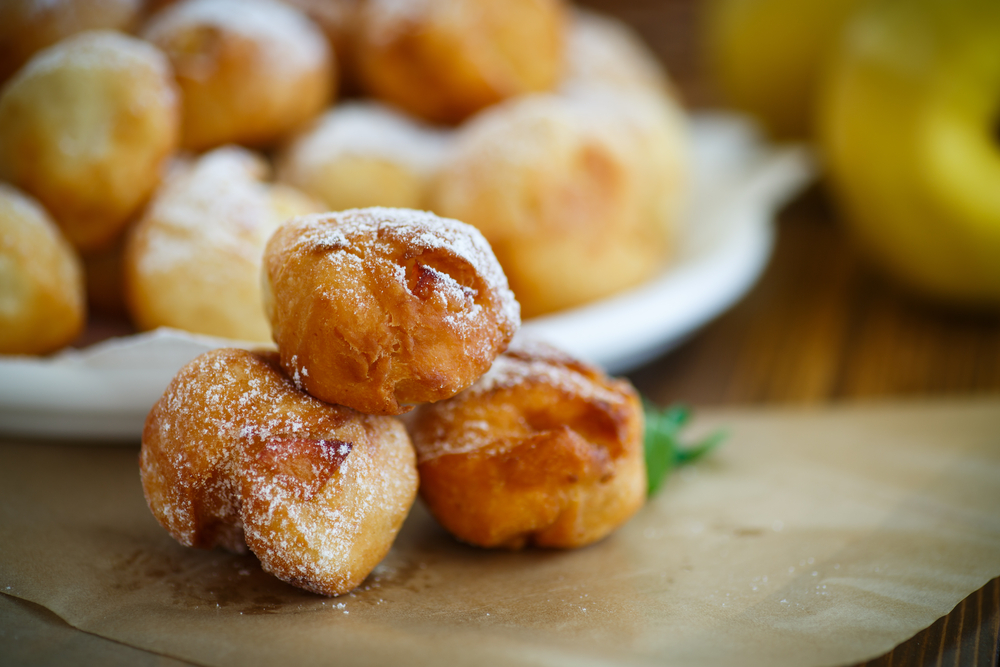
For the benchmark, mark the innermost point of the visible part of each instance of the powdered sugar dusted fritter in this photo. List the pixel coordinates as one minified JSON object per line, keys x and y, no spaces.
{"x":86,"y":127}
{"x":365,"y":154}
{"x":579,"y":194}
{"x":28,"y":26}
{"x":377,"y":308}
{"x":250,"y":71}
{"x":192,"y":261}
{"x":234,"y":455}
{"x":543,"y":450}
{"x":444,"y":60}
{"x":42,"y":301}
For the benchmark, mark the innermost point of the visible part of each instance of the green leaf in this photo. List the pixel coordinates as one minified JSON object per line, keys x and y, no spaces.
{"x":664,"y":450}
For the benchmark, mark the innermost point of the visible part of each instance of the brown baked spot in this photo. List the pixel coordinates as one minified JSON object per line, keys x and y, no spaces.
{"x":302,"y":465}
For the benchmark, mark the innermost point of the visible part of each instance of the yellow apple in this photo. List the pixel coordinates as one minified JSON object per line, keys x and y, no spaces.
{"x":765,"y":56}
{"x":909,"y":126}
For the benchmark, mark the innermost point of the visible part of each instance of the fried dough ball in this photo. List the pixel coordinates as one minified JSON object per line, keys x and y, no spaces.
{"x":86,"y":127}
{"x":577,"y":194}
{"x":28,"y":26}
{"x":601,"y":50}
{"x":42,"y":306}
{"x":542,"y":450}
{"x":251,"y":71}
{"x":364,"y":154}
{"x":193,"y":261}
{"x":444,"y":60}
{"x":376,"y":308}
{"x":233,"y":455}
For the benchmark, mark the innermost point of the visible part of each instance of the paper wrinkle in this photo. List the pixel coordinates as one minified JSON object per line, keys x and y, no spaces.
{"x":820,"y":537}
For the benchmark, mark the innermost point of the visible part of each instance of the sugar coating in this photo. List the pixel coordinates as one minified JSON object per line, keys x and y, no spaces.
{"x":313,"y":489}
{"x":219,"y":203}
{"x":370,"y":129}
{"x":99,"y":50}
{"x":386,"y":306}
{"x":531,"y":363}
{"x":288,"y":39}
{"x":543,"y":450}
{"x":193,"y":260}
{"x":424,"y":232}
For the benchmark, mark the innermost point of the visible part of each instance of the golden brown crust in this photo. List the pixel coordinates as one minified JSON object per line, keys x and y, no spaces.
{"x":251,"y":71}
{"x":542,"y":450}
{"x":28,"y":26}
{"x":362,"y":154}
{"x":233,"y":455}
{"x":193,"y":260}
{"x":42,"y":296}
{"x":443,"y":60}
{"x":578,"y":194}
{"x":376,"y":308}
{"x":86,"y":127}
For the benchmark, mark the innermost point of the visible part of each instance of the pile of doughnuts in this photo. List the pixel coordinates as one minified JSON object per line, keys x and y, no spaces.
{"x":552,"y":130}
{"x":299,"y":455}
{"x":183,"y":163}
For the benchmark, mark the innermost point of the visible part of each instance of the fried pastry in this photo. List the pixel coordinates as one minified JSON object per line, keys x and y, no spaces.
{"x":86,"y":128}
{"x":364,"y":154}
{"x":42,"y":305}
{"x":543,"y":450}
{"x":443,"y":60}
{"x":251,"y":71}
{"x":234,"y":455}
{"x":578,"y":194}
{"x":377,"y":308}
{"x":193,"y":260}
{"x":28,"y":26}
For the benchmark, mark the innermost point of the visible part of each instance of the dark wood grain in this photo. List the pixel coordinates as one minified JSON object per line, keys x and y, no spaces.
{"x":823,"y":325}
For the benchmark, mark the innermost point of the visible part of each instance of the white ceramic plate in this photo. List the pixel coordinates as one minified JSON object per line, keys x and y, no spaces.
{"x":103,"y":392}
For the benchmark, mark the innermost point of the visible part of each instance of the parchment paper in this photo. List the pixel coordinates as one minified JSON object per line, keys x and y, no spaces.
{"x":811,"y":538}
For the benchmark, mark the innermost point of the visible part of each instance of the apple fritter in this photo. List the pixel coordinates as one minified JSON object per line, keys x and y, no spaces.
{"x":193,"y":260}
{"x":543,"y":450}
{"x":86,"y":128}
{"x":251,"y":71}
{"x":377,"y":308}
{"x":234,"y":455}
{"x":28,"y":26}
{"x":363,"y":154}
{"x":444,"y":60}
{"x":580,"y":194}
{"x":42,"y":305}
